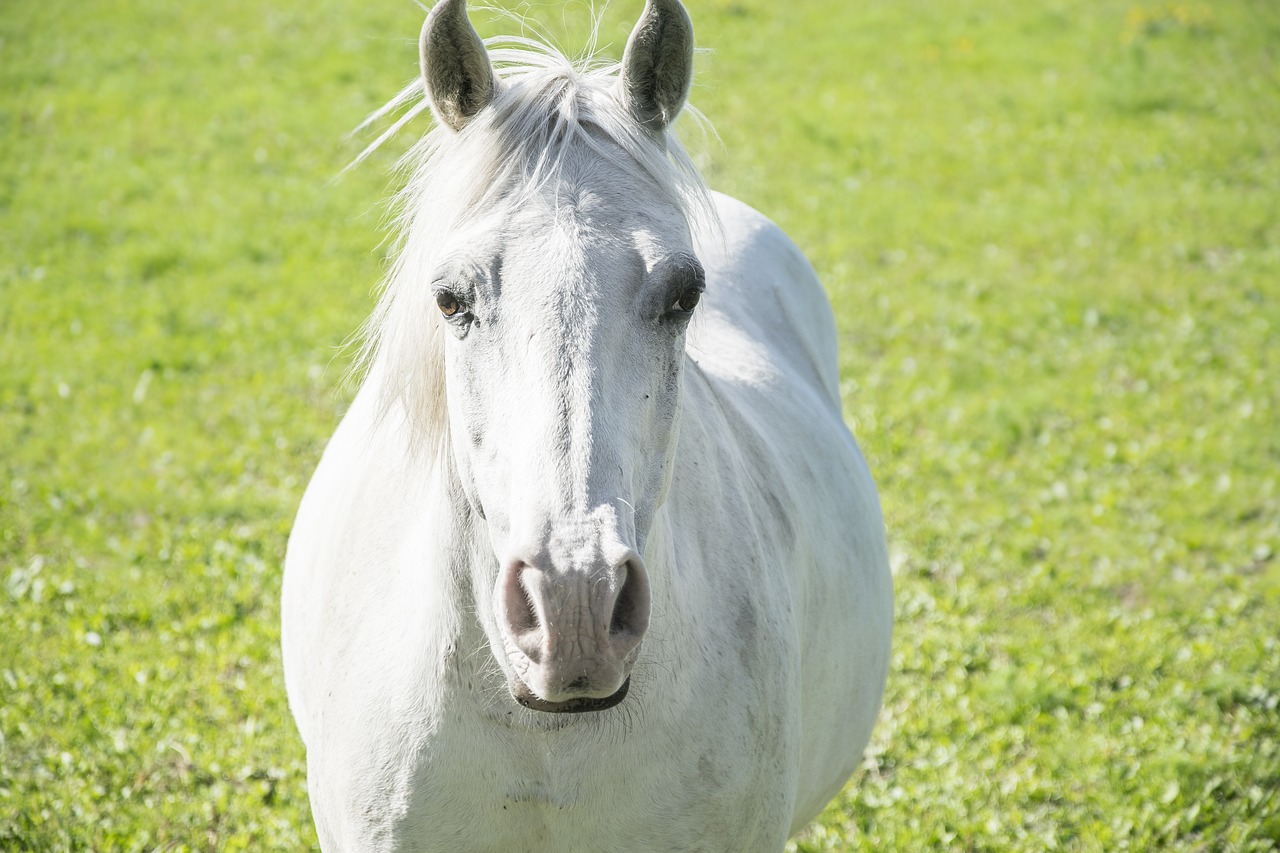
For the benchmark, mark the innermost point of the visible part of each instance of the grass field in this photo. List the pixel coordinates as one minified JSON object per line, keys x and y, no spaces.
{"x":1051,"y":232}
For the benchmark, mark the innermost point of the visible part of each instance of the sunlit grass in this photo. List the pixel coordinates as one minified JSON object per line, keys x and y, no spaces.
{"x":1052,"y":236}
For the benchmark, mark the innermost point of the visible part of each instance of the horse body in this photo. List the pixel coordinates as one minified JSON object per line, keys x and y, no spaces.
{"x":748,"y":552}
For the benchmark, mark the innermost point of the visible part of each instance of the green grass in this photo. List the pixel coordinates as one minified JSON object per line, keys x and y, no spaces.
{"x":1052,"y":235}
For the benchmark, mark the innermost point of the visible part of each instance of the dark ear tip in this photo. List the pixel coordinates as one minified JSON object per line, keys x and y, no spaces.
{"x":444,"y":14}
{"x":657,"y":65}
{"x":446,"y":7}
{"x":456,"y":71}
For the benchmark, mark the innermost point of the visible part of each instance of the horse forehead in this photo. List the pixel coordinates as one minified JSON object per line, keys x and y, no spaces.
{"x":578,"y":245}
{"x":595,"y":208}
{"x":588,"y":235}
{"x":583,"y":214}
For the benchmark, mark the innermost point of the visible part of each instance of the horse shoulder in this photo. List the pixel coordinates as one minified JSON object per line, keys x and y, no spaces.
{"x":762,"y":285}
{"x":349,"y":528}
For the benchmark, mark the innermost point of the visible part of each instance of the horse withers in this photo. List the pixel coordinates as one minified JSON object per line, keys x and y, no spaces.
{"x":592,"y":563}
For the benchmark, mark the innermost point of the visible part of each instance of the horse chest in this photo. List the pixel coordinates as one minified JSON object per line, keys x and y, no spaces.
{"x":478,"y":773}
{"x":491,"y":786}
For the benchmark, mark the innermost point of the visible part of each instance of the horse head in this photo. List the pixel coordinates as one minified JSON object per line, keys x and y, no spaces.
{"x":563,"y":290}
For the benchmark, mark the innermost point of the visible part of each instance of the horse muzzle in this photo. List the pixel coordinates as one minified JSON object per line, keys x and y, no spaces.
{"x":572,"y":636}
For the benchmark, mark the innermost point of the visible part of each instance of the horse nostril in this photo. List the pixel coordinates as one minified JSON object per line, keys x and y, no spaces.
{"x":528,"y":614}
{"x":631,"y":608}
{"x":519,"y":611}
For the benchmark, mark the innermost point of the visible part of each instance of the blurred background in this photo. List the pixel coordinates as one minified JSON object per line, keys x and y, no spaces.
{"x":1051,"y":233}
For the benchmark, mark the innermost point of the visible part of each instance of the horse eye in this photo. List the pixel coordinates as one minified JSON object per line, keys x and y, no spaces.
{"x":448,"y":303}
{"x":688,"y":300}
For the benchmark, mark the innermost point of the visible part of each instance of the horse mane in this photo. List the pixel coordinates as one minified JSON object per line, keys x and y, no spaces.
{"x":547,"y":106}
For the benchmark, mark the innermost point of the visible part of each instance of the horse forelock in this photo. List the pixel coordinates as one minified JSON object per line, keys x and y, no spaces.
{"x":548,"y":109}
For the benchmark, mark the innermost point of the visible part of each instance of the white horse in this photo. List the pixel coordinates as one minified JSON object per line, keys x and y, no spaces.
{"x":592,"y":563}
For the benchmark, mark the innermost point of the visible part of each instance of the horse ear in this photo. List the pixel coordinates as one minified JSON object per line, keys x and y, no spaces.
{"x":657,"y":66}
{"x":455,"y":65}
